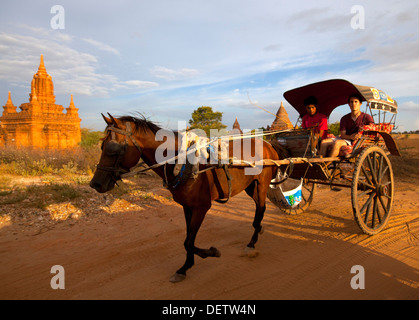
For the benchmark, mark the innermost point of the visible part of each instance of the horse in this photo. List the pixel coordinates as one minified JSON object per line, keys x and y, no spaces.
{"x":129,"y":139}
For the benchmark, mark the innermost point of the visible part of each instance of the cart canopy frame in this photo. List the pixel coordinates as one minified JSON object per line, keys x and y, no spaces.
{"x":334,"y":93}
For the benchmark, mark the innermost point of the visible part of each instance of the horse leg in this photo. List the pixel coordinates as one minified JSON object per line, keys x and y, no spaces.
{"x":259,"y":213}
{"x":203,"y":253}
{"x":254,"y":191}
{"x":194,"y":220}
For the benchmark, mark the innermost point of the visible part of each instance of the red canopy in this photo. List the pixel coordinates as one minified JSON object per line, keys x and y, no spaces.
{"x":333,"y":93}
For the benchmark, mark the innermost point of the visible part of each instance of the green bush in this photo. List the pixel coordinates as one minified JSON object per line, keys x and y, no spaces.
{"x":334,"y":128}
{"x":90,"y":138}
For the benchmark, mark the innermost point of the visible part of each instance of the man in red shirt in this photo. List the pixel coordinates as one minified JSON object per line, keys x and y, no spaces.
{"x":350,"y":125}
{"x":314,"y":120}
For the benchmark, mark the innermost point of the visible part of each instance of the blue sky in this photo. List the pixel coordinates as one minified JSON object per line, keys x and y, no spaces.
{"x":166,"y":58}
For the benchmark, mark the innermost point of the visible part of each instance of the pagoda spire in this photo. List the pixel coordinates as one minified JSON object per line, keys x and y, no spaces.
{"x":9,"y":99}
{"x":72,"y":110}
{"x":9,"y":107}
{"x":42,"y":69}
{"x":236,"y":126}
{"x":281,"y":110}
{"x":42,"y":86}
{"x":71,"y":102}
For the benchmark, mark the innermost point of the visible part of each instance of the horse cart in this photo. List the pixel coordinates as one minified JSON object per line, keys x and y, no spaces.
{"x":364,"y":167}
{"x":291,"y":167}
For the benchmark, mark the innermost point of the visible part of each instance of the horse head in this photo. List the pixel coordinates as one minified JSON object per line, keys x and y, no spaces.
{"x":120,"y":152}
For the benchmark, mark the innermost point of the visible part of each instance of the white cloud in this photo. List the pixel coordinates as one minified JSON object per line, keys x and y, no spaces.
{"x":320,"y":19}
{"x":21,"y":60}
{"x":101,"y":46}
{"x":409,"y":106}
{"x":72,"y":71}
{"x":171,"y":74}
{"x":142,"y":84}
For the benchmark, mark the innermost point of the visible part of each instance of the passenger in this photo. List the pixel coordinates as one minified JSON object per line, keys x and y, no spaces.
{"x":315,"y":120}
{"x":350,"y":125}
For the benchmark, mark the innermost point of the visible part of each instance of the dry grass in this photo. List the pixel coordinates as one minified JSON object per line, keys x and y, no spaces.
{"x":34,"y":162}
{"x":41,"y":188}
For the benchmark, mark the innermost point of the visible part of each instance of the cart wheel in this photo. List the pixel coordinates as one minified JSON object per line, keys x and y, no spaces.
{"x":372,"y":190}
{"x":307,"y":193}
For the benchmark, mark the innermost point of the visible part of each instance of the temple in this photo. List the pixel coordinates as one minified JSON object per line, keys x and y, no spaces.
{"x":282,"y":120}
{"x":41,"y":123}
{"x":236,"y":127}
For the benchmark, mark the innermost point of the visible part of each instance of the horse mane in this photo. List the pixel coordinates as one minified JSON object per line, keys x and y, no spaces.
{"x":141,"y":123}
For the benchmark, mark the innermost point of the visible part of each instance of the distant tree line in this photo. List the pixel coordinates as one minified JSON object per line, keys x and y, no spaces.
{"x":409,"y":132}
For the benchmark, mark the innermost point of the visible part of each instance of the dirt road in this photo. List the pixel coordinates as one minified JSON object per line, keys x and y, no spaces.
{"x":131,"y":253}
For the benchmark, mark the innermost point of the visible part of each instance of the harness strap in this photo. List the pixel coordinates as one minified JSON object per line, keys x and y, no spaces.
{"x":127,"y":133}
{"x":117,"y":171}
{"x":120,"y":131}
{"x":229,"y":178}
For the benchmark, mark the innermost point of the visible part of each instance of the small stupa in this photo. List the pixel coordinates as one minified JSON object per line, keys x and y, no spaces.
{"x":236,"y":127}
{"x":282,"y":120}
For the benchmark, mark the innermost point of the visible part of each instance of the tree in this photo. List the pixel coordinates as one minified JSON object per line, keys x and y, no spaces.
{"x":334,"y":128}
{"x":90,"y":138}
{"x":205,"y":119}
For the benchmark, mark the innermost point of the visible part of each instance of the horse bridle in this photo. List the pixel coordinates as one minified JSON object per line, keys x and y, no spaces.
{"x":116,"y":171}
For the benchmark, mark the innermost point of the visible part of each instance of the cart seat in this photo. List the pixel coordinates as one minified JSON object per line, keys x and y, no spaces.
{"x":380,"y":127}
{"x":346,"y":151}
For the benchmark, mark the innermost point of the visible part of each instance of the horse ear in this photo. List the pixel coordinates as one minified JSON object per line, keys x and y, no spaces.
{"x":107,"y":120}
{"x":113,"y":120}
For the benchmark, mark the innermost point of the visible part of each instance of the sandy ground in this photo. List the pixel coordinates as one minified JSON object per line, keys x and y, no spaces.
{"x":131,"y":253}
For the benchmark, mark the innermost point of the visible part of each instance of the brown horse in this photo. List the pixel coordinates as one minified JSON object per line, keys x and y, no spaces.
{"x":129,"y":139}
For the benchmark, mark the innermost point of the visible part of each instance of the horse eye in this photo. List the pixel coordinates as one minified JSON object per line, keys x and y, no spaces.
{"x":112,"y":148}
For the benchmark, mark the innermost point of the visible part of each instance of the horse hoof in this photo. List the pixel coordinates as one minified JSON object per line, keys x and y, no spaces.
{"x":215,"y":252}
{"x":262,"y":230}
{"x":177,"y":277}
{"x":250,"y":252}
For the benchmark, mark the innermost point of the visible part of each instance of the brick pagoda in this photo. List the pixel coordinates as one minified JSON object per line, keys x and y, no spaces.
{"x":41,"y":123}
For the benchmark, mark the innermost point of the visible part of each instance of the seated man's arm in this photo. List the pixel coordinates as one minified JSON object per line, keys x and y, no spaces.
{"x":354,"y":136}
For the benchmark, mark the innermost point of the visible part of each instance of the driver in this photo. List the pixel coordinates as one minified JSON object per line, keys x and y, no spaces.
{"x":350,"y":125}
{"x":315,"y":120}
